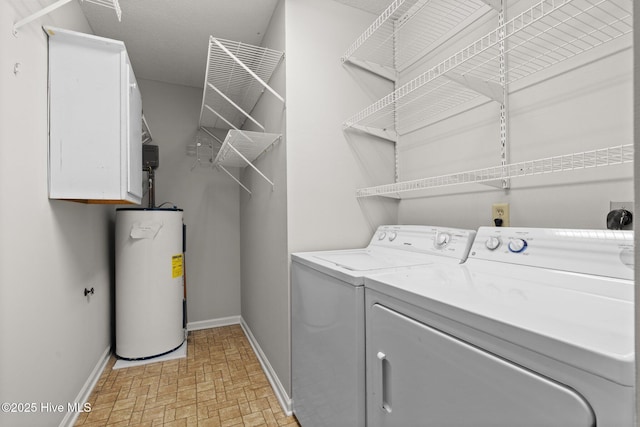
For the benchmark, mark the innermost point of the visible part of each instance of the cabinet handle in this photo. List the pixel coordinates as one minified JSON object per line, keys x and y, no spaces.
{"x":385,"y":384}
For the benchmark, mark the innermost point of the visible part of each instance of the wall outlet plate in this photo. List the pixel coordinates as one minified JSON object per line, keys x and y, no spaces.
{"x":501,"y":211}
{"x":621,"y":205}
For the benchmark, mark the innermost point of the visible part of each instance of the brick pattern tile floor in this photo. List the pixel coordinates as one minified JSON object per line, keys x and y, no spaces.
{"x":219,"y":383}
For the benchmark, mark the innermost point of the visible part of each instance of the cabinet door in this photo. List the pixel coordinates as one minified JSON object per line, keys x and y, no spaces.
{"x":95,"y":148}
{"x":133,"y":137}
{"x":419,"y":376}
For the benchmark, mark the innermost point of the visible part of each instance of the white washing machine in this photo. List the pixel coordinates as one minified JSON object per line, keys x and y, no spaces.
{"x":327,"y":316}
{"x":535,"y":329}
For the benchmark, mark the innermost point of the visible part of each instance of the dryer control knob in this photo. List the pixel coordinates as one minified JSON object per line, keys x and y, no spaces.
{"x":493,"y":243}
{"x":392,"y":236}
{"x":382,"y":235}
{"x":517,"y":245}
{"x":441,"y":240}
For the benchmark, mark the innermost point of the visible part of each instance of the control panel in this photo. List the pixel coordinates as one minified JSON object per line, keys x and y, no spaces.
{"x":433,"y":240}
{"x":601,"y":252}
{"x":515,"y":245}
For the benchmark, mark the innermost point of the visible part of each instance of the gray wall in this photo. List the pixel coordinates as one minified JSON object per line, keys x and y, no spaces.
{"x":315,"y":173}
{"x":324,"y":164}
{"x":51,"y":336}
{"x":263,"y":226}
{"x":208,"y":197}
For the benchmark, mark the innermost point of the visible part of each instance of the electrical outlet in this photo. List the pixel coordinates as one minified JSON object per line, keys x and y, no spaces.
{"x":500,"y":211}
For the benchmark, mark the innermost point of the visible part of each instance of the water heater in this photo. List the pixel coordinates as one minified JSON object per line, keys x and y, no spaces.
{"x":149,"y":282}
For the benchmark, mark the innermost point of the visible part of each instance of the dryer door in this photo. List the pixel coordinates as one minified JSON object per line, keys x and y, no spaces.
{"x":419,"y":376}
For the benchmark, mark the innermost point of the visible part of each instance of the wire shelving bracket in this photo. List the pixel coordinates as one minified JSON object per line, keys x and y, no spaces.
{"x":111,"y":4}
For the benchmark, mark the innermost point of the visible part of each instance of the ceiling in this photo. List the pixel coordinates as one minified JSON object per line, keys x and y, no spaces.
{"x":167,"y":40}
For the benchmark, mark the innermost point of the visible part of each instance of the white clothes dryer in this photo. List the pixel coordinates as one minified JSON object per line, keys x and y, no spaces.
{"x":327,"y":316}
{"x":535,"y":329}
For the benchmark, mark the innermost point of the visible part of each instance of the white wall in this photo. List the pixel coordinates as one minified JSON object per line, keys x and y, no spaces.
{"x":208,"y":197}
{"x":51,"y":335}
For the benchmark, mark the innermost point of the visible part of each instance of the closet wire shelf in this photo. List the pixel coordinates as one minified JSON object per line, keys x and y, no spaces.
{"x":110,"y":4}
{"x":548,"y":33}
{"x":239,"y":150}
{"x":405,"y":29}
{"x":146,"y":132}
{"x":242,"y":147}
{"x":237,"y":75}
{"x":610,"y":156}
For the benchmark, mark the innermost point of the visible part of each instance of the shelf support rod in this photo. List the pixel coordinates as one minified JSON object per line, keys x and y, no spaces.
{"x":237,"y":107}
{"x":235,"y":179}
{"x":248,"y":70}
{"x":112,"y":4}
{"x":228,"y":123}
{"x":205,"y":130}
{"x":37,"y":15}
{"x":389,"y":135}
{"x":251,"y":164}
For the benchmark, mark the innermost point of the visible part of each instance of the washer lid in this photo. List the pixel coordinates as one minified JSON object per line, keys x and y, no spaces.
{"x":582,"y":320}
{"x":352,"y":265}
{"x":370,"y":260}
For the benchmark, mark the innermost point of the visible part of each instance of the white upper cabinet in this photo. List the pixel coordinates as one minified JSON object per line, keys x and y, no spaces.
{"x":95,"y":120}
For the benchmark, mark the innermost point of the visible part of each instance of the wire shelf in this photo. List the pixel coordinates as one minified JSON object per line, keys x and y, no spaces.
{"x":236,"y":76}
{"x":242,"y":147}
{"x":585,"y":160}
{"x":550,"y":32}
{"x":235,"y":79}
{"x":146,"y":132}
{"x":111,"y":4}
{"x":407,"y":28}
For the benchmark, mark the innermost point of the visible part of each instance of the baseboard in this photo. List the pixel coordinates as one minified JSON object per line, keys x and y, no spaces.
{"x":276,"y":385}
{"x":71,"y":417}
{"x":213,"y":323}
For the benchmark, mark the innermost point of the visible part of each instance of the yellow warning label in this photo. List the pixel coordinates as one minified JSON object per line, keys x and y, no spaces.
{"x":176,"y":266}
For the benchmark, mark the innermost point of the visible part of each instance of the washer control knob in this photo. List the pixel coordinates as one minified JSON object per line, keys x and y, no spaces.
{"x":441,"y":240}
{"x":517,"y":245}
{"x":382,"y":235}
{"x":493,"y":243}
{"x":392,"y":236}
